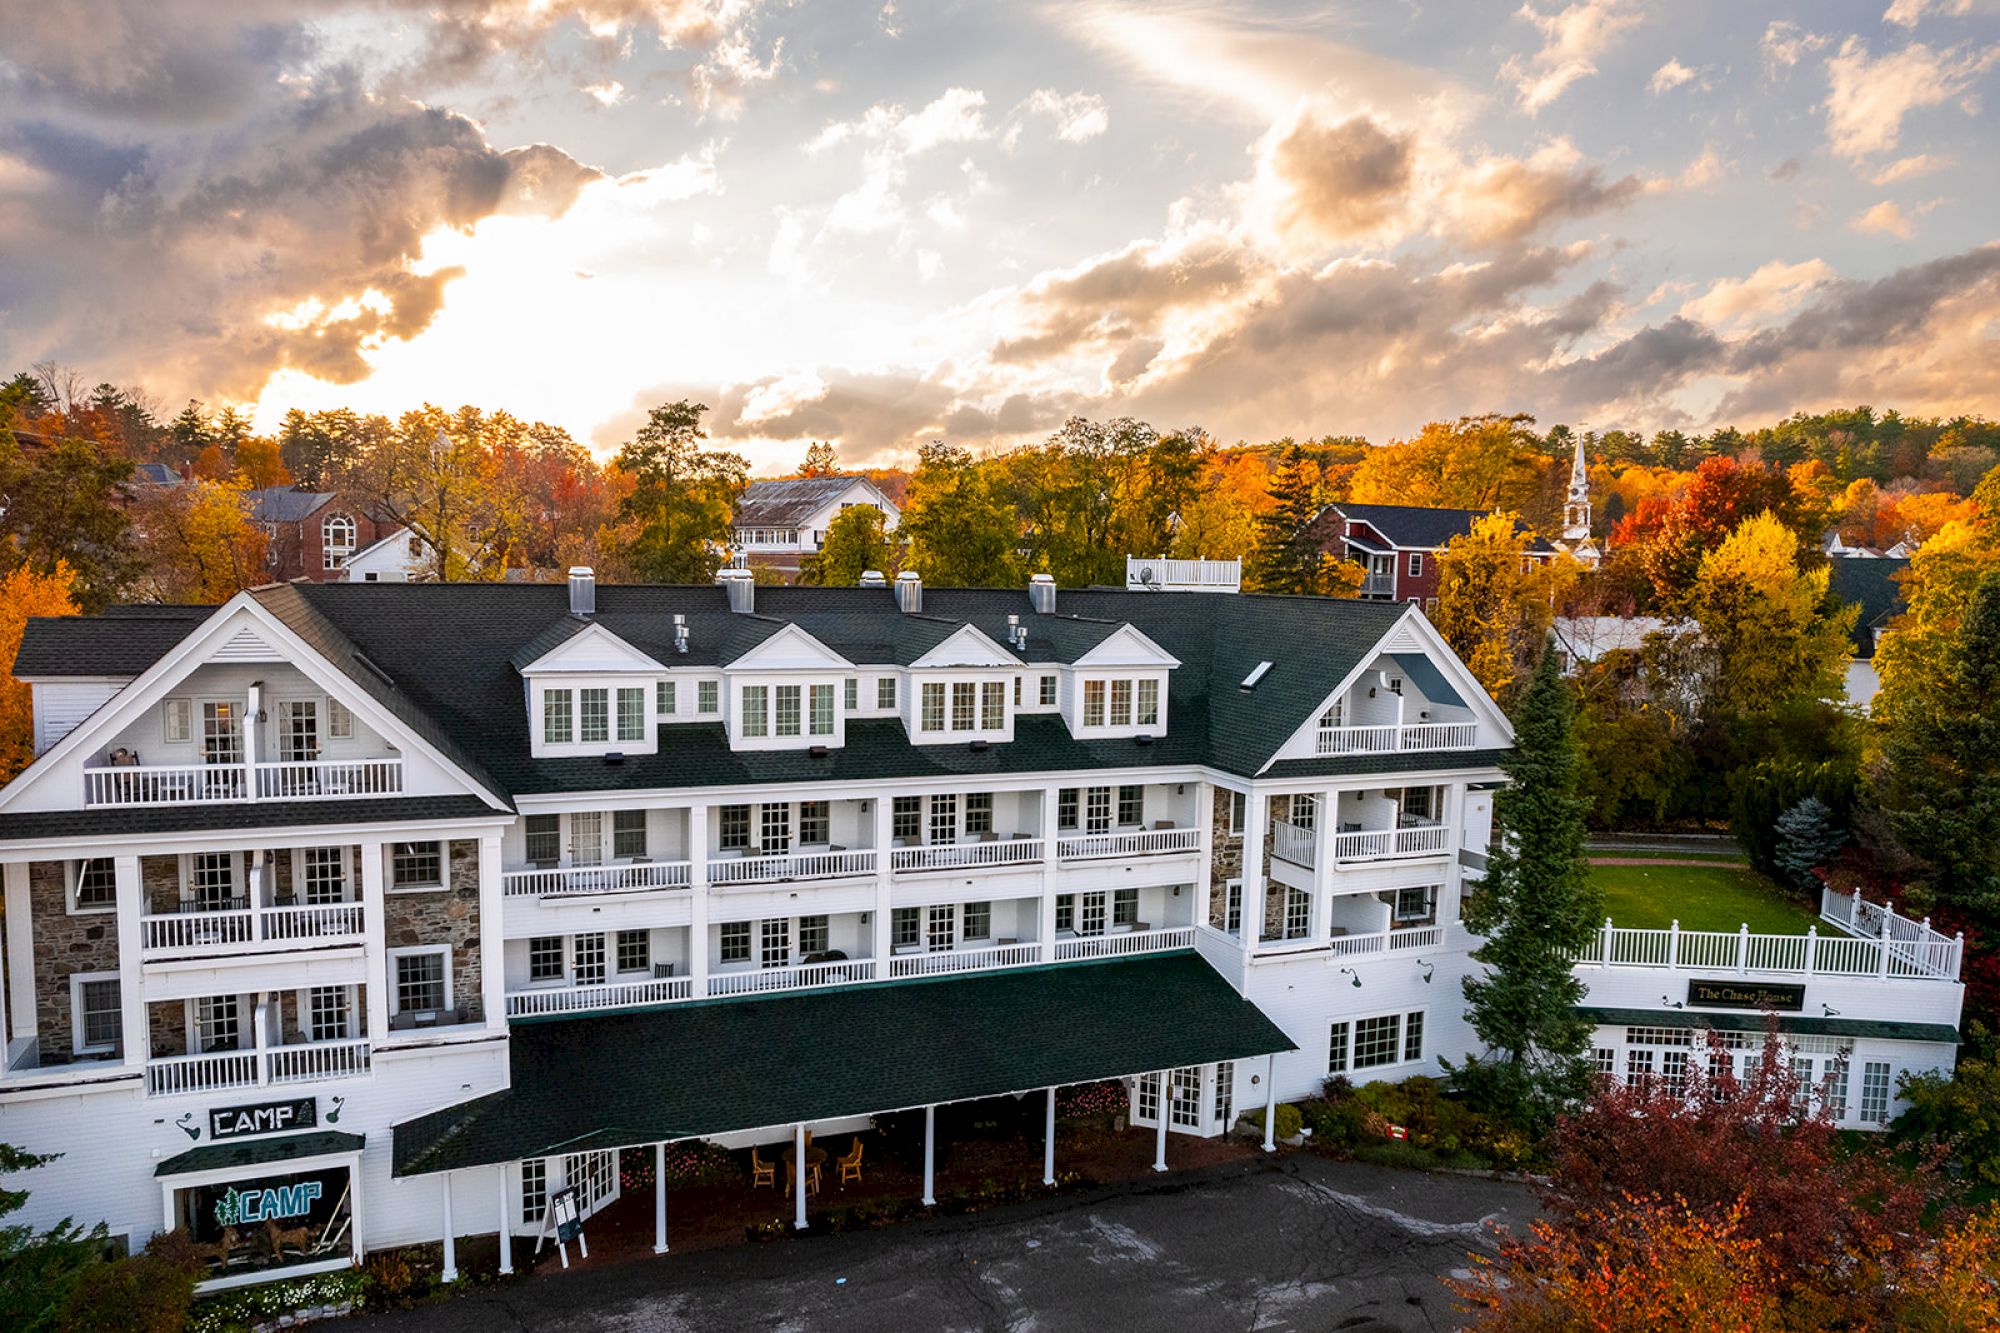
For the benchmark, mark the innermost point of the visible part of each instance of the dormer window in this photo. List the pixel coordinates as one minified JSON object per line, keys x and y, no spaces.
{"x":963,"y":709}
{"x":594,"y":717}
{"x":786,"y":712}
{"x":1123,"y":704}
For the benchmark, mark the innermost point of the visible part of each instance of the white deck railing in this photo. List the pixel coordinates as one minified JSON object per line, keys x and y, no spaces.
{"x":964,"y":960}
{"x":311,"y":923}
{"x":1151,"y":842}
{"x":1182,"y":575}
{"x":1392,"y":739}
{"x":1912,"y":942}
{"x":596,"y":879}
{"x":613,"y":995}
{"x":204,"y":784}
{"x":172,"y":1074}
{"x":1380,"y":844}
{"x":1741,"y":952}
{"x":790,"y":865}
{"x":1118,"y":946}
{"x":1290,"y":842}
{"x":960,"y":855}
{"x":806,"y":976}
{"x":243,"y":928}
{"x":313,"y":1061}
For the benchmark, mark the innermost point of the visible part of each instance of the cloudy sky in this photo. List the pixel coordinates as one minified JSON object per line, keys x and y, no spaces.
{"x":881,"y":223}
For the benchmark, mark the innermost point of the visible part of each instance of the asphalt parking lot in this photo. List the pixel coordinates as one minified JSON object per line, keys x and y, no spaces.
{"x":1295,"y":1242}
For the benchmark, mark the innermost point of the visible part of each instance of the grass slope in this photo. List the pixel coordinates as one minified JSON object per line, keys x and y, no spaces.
{"x":1701,"y":897}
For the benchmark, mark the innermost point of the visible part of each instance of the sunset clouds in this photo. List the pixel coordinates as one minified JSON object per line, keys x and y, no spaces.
{"x":881,"y":225}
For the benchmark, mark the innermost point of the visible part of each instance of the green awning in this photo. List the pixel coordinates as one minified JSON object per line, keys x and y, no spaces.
{"x":261,"y":1152}
{"x":1749,"y":1022}
{"x":712,"y":1067}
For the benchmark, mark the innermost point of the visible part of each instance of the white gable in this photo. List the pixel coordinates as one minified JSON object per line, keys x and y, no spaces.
{"x":1127,"y":647}
{"x":967,"y":647}
{"x":791,"y":649}
{"x":593,"y":650}
{"x":245,"y":645}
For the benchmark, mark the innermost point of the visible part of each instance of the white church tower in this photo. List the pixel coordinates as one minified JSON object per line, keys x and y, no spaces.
{"x":1576,"y":537}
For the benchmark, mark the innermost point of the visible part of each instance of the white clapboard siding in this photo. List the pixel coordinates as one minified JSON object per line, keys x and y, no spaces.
{"x":61,"y":705}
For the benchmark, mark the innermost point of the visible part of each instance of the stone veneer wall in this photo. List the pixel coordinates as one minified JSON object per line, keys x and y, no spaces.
{"x":64,"y":946}
{"x":166,"y":1028}
{"x":160,"y":883}
{"x":1225,"y":858}
{"x":447,"y":917}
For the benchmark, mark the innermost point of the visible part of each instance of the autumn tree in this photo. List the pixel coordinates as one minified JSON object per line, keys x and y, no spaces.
{"x":855,"y":541}
{"x":260,"y":463}
{"x":436,"y":473}
{"x":318,"y":448}
{"x":1495,"y":605}
{"x":821,"y":461}
{"x":1219,"y":521}
{"x":24,"y":593}
{"x":1669,"y":537}
{"x":64,"y":505}
{"x":681,"y":496}
{"x":198,"y":542}
{"x":1485,"y":462}
{"x":1765,"y":622}
{"x":958,"y":531}
{"x":1077,"y":495}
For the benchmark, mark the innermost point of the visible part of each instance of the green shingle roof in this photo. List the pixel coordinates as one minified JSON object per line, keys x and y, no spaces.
{"x":713,"y":1067}
{"x":261,"y":1152}
{"x":1805,"y":1027}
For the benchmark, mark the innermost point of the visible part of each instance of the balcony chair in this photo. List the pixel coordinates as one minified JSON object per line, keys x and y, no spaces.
{"x":850,"y":1165}
{"x":661,"y":971}
{"x":761,"y":1171}
{"x":122,"y":758}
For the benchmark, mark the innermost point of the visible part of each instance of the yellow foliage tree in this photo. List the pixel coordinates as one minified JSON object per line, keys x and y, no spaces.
{"x":199,"y":542}
{"x":1221,"y":522}
{"x":24,"y":593}
{"x":1937,"y":589}
{"x":1488,"y":462}
{"x":1494,"y":605}
{"x":1765,"y":623}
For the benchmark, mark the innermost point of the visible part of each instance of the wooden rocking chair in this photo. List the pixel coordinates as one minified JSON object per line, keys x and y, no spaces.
{"x":850,"y":1165}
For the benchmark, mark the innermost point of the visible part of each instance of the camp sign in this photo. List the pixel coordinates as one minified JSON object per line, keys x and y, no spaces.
{"x":236,"y":1122}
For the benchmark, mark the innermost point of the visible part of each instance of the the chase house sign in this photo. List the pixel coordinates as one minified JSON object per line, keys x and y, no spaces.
{"x":1763,"y":996}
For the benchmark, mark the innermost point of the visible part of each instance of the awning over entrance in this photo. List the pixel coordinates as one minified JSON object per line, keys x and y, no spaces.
{"x":1882,"y":1029}
{"x":260,"y":1152}
{"x":694,"y":1070}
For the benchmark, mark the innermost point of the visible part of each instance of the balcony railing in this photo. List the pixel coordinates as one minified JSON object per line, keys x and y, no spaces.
{"x":1381,"y":844}
{"x":1118,"y":946}
{"x":965,"y":960}
{"x":806,"y":976}
{"x":314,"y":1061}
{"x":615,"y":995}
{"x":725,"y":871}
{"x":1393,"y":739}
{"x":964,"y":855}
{"x":1378,"y":585}
{"x":1740,"y":952}
{"x":1150,"y":842}
{"x":1291,"y":842}
{"x":233,"y":929}
{"x":204,"y":784}
{"x":173,"y":1074}
{"x":219,"y":1071}
{"x":1926,"y":952}
{"x":1162,"y":574}
{"x":595,"y":879}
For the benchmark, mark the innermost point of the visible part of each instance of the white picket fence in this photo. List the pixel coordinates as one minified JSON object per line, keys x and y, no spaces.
{"x":1744,"y":953}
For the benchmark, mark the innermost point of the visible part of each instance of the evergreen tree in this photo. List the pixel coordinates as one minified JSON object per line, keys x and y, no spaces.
{"x":1807,"y":839}
{"x":854,"y":542}
{"x":190,"y":431}
{"x":38,"y":1270}
{"x":1537,"y":910}
{"x":1943,"y":763}
{"x":821,"y":461}
{"x":1287,"y":557}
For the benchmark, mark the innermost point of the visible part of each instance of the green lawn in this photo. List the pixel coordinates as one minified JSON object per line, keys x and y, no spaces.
{"x":1720,"y":897}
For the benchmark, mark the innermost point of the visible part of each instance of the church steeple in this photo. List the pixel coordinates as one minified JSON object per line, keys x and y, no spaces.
{"x":1576,"y":511}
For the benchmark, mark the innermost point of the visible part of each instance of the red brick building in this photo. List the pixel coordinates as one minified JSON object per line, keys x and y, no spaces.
{"x":1399,"y":546}
{"x":313,"y":532}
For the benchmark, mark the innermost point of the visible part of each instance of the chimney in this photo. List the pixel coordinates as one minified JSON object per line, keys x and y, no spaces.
{"x":742,"y":587}
{"x":1042,"y":594}
{"x":872,"y":578}
{"x":680,"y":633}
{"x":582,"y":590}
{"x":909,"y":592}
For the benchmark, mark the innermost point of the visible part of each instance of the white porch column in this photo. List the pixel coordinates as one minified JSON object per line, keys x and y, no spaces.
{"x":450,"y":1273}
{"x":697,"y":824}
{"x":1049,"y":1144}
{"x":799,"y":1175}
{"x":260,"y":1033}
{"x":1160,"y":1133}
{"x":492,"y":941}
{"x":1047,"y":930}
{"x":21,"y":950}
{"x":1322,"y":905}
{"x":883,"y":835}
{"x":506,"y":1220}
{"x":659,"y":1198}
{"x":1452,"y":895}
{"x":131,"y":987}
{"x":930,"y":1156}
{"x":252,"y":735}
{"x":379,"y":976}
{"x":1256,"y":815}
{"x":1271,"y":1102}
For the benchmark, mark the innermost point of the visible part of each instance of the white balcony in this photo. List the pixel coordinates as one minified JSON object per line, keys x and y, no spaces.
{"x":1394,"y":739}
{"x":1123,"y":944}
{"x":1294,"y":843}
{"x":805,"y":976}
{"x":1386,"y":844}
{"x":613,"y":995}
{"x":1739,"y":952}
{"x":204,"y":784}
{"x":250,"y":929}
{"x":966,"y":855}
{"x":220,"y":1071}
{"x":724,"y":872}
{"x":315,"y":1061}
{"x":1377,"y":585}
{"x":946,"y":961}
{"x":1147,"y":842}
{"x":1161,"y":574}
{"x":649,"y":876}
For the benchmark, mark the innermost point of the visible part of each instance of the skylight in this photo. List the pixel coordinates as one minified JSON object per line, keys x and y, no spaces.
{"x":1250,"y":681}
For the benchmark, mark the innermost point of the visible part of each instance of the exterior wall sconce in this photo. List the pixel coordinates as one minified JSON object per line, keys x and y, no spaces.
{"x":1430,"y":970}
{"x":1352,"y":973}
{"x":1671,"y":1003}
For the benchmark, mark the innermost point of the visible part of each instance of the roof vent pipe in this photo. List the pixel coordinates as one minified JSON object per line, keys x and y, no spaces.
{"x":680,"y":633}
{"x":582,"y":590}
{"x":1015,"y":637}
{"x":909,"y":592}
{"x":872,"y":578}
{"x":1042,"y":594}
{"x":741,"y":585}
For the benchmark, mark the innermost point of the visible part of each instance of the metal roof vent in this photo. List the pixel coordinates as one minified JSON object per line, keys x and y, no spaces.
{"x":741,"y":585}
{"x":582,"y":590}
{"x":1016,"y":636}
{"x":680,"y":633}
{"x":1042,"y":594}
{"x":909,"y":592}
{"x":872,"y":578}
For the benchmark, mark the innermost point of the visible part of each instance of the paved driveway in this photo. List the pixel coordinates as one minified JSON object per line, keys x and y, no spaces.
{"x":1296,"y":1242}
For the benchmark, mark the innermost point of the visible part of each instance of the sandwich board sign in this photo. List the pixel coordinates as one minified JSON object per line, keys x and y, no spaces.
{"x":564,"y":1215}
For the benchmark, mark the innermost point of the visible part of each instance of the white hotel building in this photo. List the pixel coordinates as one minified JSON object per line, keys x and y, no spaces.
{"x":347,"y":916}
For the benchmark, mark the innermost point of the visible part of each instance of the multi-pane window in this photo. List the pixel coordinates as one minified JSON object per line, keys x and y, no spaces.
{"x":545,"y":958}
{"x":1415,"y":904}
{"x":708,"y":697}
{"x":544,"y":838}
{"x":979,"y":921}
{"x":1148,"y":1107}
{"x":940,"y":928}
{"x":1298,"y":913}
{"x":1148,"y":711}
{"x":933,"y":706}
{"x":979,"y":812}
{"x":1377,"y":1041}
{"x":593,"y":716}
{"x":328,"y":1015}
{"x":1606,"y":1061}
{"x":735,"y":942}
{"x":664,"y":701}
{"x":1225,"y":1092}
{"x":1239,"y":810}
{"x":213,"y":880}
{"x":885,"y":692}
{"x":324,"y":870}
{"x":417,"y":865}
{"x":1369,"y":1043}
{"x":1184,"y":1105}
{"x":635,"y":951}
{"x":1097,"y":810}
{"x":1232,"y":907}
{"x":557,"y":727}
{"x":992,"y":705}
{"x":1124,"y":907}
{"x":813,"y":935}
{"x":733,"y":827}
{"x":1875,"y":1092}
{"x":1066,"y":808}
{"x":420,"y":981}
{"x":944,"y":818}
{"x":1121,"y":703}
{"x":775,"y":828}
{"x":815,"y":823}
{"x":786,"y":710}
{"x":1638,"y":1065}
{"x":631,"y":714}
{"x":1413,"y":1036}
{"x":964,"y":698}
{"x":339,"y":720}
{"x":298,"y":730}
{"x":850,"y":693}
{"x":1834,"y":1088}
{"x":1090,"y":921}
{"x":1336,"y":1050}
{"x":1131,"y":807}
{"x":218,"y":1023}
{"x":177,"y":720}
{"x":821,"y":721}
{"x":1093,"y":703}
{"x":1674,"y":1071}
{"x":534,"y":1189}
{"x":628,"y":833}
{"x":587,"y":959}
{"x":776,"y":942}
{"x":1048,"y":692}
{"x":1065,"y":911}
{"x":1017,"y":691}
{"x":586,"y":838}
{"x":756,"y":710}
{"x":906,"y":818}
{"x":222,"y":733}
{"x":904,"y":924}
{"x":99,"y":1017}
{"x":96,"y":885}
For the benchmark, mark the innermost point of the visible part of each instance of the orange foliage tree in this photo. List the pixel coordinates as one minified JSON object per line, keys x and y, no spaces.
{"x":24,"y":593}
